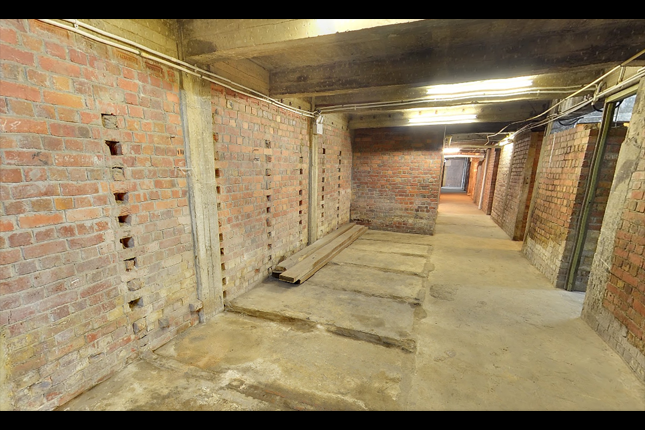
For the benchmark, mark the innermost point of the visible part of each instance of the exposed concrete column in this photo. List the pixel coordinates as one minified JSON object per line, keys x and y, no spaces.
{"x":312,"y":225}
{"x":5,"y":383}
{"x":483,"y":184}
{"x":198,"y":134}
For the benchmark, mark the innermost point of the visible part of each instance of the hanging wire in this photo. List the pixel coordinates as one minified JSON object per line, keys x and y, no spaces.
{"x":573,"y":121}
{"x":616,"y":109}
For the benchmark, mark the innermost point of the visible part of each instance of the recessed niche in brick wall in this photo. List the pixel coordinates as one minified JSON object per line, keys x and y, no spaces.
{"x":125,"y":220}
{"x":130,"y":264}
{"x":121,"y":197}
{"x":114,"y":147}
{"x":127,"y":242}
{"x":109,"y":121}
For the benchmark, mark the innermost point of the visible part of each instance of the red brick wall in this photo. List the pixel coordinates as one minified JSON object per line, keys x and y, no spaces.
{"x":334,"y":174}
{"x":597,"y":211}
{"x":262,"y":154}
{"x":537,"y":139}
{"x":516,"y":200}
{"x":472,"y":178}
{"x":491,"y":180}
{"x":513,"y":196}
{"x":77,"y":302}
{"x":559,"y":193}
{"x":625,"y":292}
{"x":501,"y":183}
{"x":396,"y":177}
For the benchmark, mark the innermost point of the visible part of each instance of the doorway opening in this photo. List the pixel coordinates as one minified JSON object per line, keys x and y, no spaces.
{"x":454,"y":173}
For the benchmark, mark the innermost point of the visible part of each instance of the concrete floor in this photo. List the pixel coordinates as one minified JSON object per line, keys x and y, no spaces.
{"x":455,"y":321}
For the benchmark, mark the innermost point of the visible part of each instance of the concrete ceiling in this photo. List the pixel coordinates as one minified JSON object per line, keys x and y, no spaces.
{"x":336,"y":62}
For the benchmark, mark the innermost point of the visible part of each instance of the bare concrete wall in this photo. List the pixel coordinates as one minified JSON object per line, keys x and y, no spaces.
{"x":157,"y":34}
{"x":5,"y":383}
{"x":197,"y":124}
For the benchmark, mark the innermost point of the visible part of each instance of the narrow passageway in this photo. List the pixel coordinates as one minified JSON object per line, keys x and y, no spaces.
{"x":499,"y":336}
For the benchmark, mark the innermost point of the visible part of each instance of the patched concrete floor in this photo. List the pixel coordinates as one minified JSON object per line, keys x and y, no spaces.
{"x":455,"y":321}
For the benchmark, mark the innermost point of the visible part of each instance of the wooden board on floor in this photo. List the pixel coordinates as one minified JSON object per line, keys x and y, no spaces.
{"x":316,"y":260}
{"x":307,"y":251}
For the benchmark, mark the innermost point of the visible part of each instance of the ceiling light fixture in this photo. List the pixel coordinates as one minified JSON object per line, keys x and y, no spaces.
{"x":451,"y":150}
{"x":508,"y":139}
{"x":492,"y":87}
{"x":442,"y":119}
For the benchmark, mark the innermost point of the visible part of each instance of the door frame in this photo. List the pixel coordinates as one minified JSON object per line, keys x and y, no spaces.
{"x":592,"y":182}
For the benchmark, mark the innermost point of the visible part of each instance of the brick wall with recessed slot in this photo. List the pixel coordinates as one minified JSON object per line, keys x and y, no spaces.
{"x":262,"y":159}
{"x":491,"y":180}
{"x":96,"y":259}
{"x":516,"y":176}
{"x":334,"y":174}
{"x":614,"y":303}
{"x":559,"y":191}
{"x":624,"y":296}
{"x":501,"y":184}
{"x":396,"y":175}
{"x":597,"y":210}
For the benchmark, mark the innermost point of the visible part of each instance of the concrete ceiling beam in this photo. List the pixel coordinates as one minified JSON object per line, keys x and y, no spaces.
{"x":210,"y":40}
{"x":503,"y":112}
{"x":484,"y":56}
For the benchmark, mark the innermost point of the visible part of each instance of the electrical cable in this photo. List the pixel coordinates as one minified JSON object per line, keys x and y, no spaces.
{"x":374,"y":105}
{"x":170,"y":61}
{"x":573,"y":121}
{"x":194,"y":70}
{"x":621,"y":84}
{"x":257,"y":95}
{"x":637,"y":76}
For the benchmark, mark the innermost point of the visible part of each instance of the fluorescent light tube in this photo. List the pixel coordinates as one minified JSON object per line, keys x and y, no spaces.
{"x":492,"y":87}
{"x":442,"y":119}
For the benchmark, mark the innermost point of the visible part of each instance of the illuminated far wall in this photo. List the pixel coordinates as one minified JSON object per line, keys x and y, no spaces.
{"x":453,"y":175}
{"x":396,"y":178}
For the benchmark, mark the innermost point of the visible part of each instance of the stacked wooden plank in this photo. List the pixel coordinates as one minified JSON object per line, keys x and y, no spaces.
{"x":303,"y":264}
